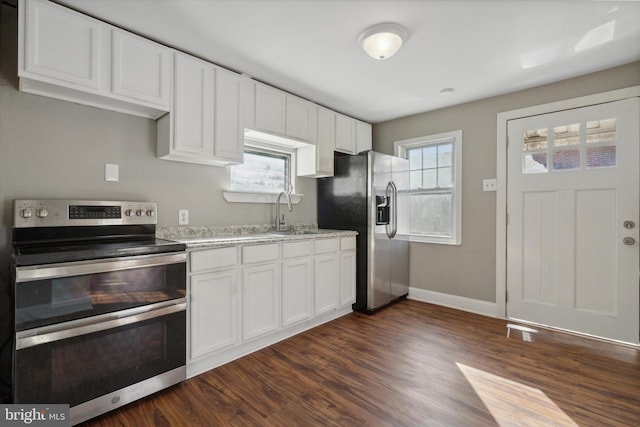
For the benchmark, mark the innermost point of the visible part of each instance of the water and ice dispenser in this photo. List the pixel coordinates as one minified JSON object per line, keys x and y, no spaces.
{"x":382,"y":210}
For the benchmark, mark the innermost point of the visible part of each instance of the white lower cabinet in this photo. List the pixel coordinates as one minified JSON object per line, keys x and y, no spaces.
{"x":213,"y":312}
{"x":347,"y":277}
{"x":326,"y":281}
{"x":245,"y":297}
{"x":297,"y":281}
{"x":260,"y":300}
{"x":326,"y":278}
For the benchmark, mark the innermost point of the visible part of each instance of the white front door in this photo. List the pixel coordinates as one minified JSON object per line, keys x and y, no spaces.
{"x":572,"y":206}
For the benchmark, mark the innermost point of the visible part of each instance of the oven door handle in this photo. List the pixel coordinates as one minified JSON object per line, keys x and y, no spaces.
{"x":68,"y":269}
{"x":26,"y":339}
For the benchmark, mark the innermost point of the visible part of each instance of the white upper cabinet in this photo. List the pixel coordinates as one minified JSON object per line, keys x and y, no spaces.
{"x":193,"y":108}
{"x":66,"y":55}
{"x":279,"y":116}
{"x":141,"y":69}
{"x":317,"y":161}
{"x":352,"y":136}
{"x":363,"y":137}
{"x":60,"y":45}
{"x":301,"y":119}
{"x":204,"y":124}
{"x":345,"y":134}
{"x":229,"y":130}
{"x":269,"y":109}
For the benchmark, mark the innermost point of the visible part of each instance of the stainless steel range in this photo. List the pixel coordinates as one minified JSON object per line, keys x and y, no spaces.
{"x":100,"y":305}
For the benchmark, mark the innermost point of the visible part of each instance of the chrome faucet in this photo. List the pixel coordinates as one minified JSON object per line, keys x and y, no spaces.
{"x":280,"y":223}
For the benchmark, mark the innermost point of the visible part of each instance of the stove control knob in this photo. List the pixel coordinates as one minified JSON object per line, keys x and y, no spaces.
{"x":139,"y":212}
{"x":26,"y":213}
{"x":42,"y":213}
{"x":151,"y":212}
{"x":128,"y":212}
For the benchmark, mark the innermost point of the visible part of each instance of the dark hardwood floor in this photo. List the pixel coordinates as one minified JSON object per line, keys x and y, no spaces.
{"x":411,"y":364}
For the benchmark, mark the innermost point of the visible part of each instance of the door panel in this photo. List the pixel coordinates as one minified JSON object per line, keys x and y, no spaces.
{"x":596,"y":251}
{"x":572,"y":183}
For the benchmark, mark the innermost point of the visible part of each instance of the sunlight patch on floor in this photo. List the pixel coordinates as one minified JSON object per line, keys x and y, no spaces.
{"x":512,"y":403}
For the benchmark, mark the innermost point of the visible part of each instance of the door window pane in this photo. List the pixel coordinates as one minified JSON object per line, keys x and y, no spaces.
{"x":601,"y":130}
{"x":566,"y":135}
{"x":534,"y":139}
{"x":601,"y":157}
{"x":535,"y":163}
{"x":566,"y":160}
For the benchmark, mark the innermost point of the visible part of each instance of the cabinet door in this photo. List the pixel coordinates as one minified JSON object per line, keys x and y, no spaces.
{"x":297,"y":283}
{"x":326,"y":283}
{"x":347,"y":277}
{"x":193,"y":109}
{"x":301,"y":119}
{"x":363,"y":137}
{"x":213,"y":312}
{"x":62,"y":45}
{"x":345,"y":134}
{"x":141,"y":69}
{"x":260,"y":300}
{"x":270,"y":105}
{"x":229,"y":132}
{"x":326,"y":141}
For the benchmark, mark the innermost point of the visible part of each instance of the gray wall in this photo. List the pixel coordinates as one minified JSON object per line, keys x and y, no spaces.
{"x":469,"y":270}
{"x":57,"y":149}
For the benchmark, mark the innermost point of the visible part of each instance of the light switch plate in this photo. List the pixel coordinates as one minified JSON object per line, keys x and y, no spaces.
{"x":489,"y":185}
{"x":111,"y":172}
{"x":183,"y":217}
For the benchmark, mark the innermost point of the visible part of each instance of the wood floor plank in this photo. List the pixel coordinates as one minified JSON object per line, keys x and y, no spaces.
{"x":411,"y":364}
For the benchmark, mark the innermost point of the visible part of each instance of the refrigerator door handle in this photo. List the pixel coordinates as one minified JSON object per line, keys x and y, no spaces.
{"x":392,"y":193}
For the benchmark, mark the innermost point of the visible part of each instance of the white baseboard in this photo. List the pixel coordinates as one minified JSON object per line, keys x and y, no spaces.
{"x":484,"y":308}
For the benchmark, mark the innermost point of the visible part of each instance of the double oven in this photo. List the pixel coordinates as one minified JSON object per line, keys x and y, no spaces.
{"x":100,"y":305}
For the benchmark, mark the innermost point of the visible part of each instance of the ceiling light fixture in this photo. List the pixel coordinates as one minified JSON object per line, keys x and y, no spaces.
{"x":382,"y":41}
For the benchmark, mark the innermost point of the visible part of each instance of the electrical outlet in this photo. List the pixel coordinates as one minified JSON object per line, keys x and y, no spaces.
{"x":489,"y":185}
{"x":183,"y":217}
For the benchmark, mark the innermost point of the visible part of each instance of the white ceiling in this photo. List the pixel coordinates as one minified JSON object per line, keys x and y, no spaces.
{"x":310,"y":48}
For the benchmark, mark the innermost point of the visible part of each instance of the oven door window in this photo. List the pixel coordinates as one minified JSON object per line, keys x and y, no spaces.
{"x":60,"y":299}
{"x":79,"y":369}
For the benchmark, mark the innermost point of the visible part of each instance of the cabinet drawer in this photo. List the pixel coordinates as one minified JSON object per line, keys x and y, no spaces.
{"x":347,"y":243}
{"x":210,"y":259}
{"x":326,"y":245}
{"x":259,"y":253}
{"x":297,"y":249}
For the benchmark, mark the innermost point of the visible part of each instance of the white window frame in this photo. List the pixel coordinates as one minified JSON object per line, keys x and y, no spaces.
{"x":234,"y":196}
{"x":401,"y":147}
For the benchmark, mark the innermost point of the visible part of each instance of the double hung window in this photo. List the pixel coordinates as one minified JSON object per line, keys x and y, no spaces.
{"x":435,"y":176}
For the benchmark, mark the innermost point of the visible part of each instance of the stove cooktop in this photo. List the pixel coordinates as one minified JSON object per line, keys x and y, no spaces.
{"x":50,"y":253}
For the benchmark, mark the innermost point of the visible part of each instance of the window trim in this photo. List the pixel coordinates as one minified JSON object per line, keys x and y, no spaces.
{"x":402,"y":146}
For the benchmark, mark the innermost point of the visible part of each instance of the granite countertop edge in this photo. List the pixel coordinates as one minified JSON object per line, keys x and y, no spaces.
{"x":211,"y":236}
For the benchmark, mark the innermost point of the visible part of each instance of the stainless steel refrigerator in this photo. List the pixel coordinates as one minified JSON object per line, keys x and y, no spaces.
{"x":367,"y":194}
